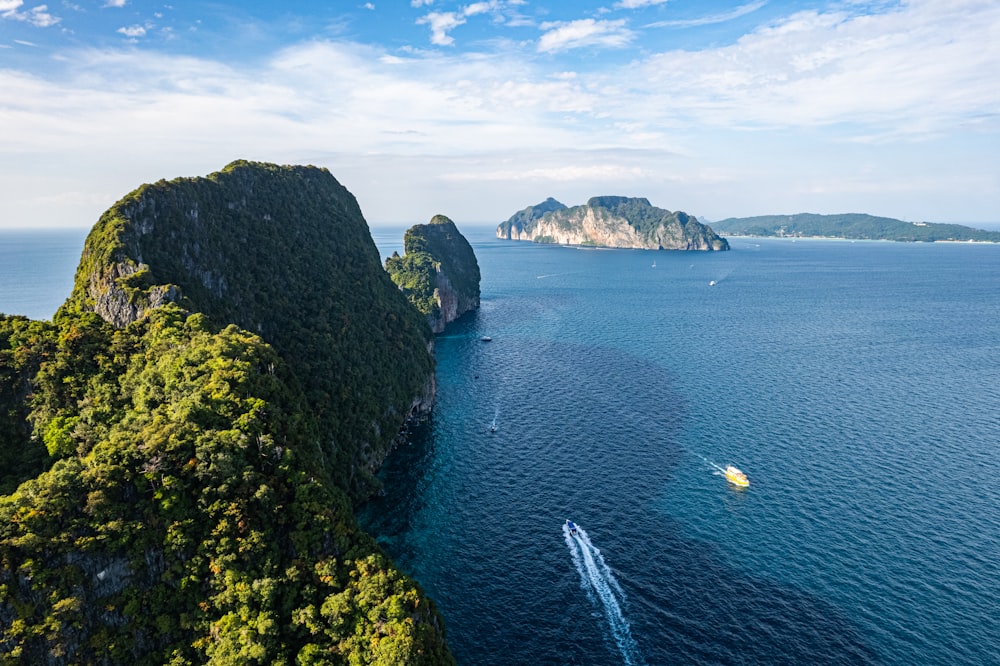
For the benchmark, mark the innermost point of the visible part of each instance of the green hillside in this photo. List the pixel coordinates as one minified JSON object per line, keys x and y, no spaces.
{"x":189,"y":432}
{"x":852,"y":225}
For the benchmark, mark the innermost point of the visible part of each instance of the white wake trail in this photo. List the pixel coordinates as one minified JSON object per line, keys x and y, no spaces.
{"x":600,"y":583}
{"x":721,"y":469}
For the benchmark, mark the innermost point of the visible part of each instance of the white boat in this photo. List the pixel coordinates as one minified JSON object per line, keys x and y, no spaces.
{"x":736,"y":477}
{"x":712,"y":283}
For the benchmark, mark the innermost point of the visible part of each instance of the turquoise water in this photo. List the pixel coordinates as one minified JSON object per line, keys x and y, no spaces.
{"x":855,"y":383}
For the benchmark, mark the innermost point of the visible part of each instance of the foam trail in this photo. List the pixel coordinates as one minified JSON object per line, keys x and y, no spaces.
{"x":599,"y":581}
{"x":721,"y":469}
{"x":574,"y":552}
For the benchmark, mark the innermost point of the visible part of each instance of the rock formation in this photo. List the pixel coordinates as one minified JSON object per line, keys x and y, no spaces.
{"x":610,"y":221}
{"x":281,"y":251}
{"x":232,"y":366}
{"x":438,"y":271}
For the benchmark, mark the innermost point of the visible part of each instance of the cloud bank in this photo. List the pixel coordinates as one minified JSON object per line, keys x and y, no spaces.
{"x":821,"y":111}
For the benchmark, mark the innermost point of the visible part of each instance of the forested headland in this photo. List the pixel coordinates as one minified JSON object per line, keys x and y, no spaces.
{"x":181,"y":448}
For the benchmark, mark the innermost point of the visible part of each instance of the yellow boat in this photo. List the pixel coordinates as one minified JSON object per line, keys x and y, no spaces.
{"x":736,"y":477}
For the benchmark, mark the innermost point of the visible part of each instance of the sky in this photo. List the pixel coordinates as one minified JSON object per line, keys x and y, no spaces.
{"x":476,"y":110}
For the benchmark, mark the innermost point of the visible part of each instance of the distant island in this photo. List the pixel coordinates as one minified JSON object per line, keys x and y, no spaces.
{"x":857,"y":226}
{"x":611,"y":221}
{"x":438,"y":271}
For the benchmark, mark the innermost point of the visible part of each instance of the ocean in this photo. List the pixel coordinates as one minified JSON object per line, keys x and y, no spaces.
{"x":855,"y":383}
{"x":37,"y":268}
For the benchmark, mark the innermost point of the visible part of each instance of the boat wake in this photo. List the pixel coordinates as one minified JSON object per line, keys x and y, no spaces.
{"x":721,"y":469}
{"x":602,"y":588}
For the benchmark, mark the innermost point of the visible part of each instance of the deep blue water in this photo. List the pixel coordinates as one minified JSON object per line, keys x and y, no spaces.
{"x":855,"y":383}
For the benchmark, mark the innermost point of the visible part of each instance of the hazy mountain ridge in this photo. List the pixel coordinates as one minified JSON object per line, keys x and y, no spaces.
{"x":858,"y":226}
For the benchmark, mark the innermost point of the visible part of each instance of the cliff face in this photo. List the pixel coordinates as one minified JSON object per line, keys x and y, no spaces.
{"x":438,"y":271}
{"x":232,"y":364}
{"x":621,"y":222}
{"x":284,"y":252}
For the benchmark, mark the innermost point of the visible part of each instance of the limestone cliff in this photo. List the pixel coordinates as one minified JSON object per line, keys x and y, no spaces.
{"x":438,"y":271}
{"x":611,"y":221}
{"x":285,"y":252}
{"x":232,"y":365}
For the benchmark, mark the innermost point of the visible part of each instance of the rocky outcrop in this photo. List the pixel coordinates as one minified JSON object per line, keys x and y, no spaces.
{"x":438,"y":272}
{"x":284,"y":252}
{"x":232,"y":366}
{"x":609,"y":221}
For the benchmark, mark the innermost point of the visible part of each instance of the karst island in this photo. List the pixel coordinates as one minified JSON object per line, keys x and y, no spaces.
{"x":611,"y":221}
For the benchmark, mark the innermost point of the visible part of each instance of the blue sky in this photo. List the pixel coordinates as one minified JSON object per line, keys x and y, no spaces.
{"x":475,"y":110}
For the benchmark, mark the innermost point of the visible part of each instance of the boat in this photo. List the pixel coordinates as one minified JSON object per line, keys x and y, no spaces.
{"x":736,"y":477}
{"x":571,"y":526}
{"x":712,"y":283}
{"x":486,"y":338}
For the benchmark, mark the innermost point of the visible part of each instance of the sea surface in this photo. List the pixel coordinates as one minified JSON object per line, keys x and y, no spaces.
{"x":857,"y":385}
{"x":37,"y":268}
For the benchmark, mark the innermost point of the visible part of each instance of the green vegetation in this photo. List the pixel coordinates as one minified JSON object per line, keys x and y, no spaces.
{"x":433,"y":250}
{"x":414,"y":273}
{"x":186,"y":477}
{"x":851,"y":225}
{"x":24,"y":344}
{"x":283,"y":252}
{"x":524,"y":220}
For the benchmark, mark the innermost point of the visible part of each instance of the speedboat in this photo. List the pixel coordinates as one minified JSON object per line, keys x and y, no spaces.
{"x":736,"y":477}
{"x":571,"y":526}
{"x":712,"y":283}
{"x":486,"y":338}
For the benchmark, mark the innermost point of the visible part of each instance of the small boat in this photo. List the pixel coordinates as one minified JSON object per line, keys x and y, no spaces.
{"x":736,"y":477}
{"x":712,"y":283}
{"x":571,"y":526}
{"x":654,"y":264}
{"x":486,"y":338}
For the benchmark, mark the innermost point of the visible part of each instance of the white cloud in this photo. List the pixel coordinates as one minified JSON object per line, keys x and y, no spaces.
{"x":115,"y":3}
{"x":637,"y":4}
{"x":441,"y":23}
{"x":132,"y":31}
{"x":566,"y":173}
{"x":752,"y":127}
{"x":421,"y":3}
{"x":37,"y":16}
{"x":816,"y":68}
{"x":478,"y":8}
{"x":562,"y":36}
{"x":735,"y":13}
